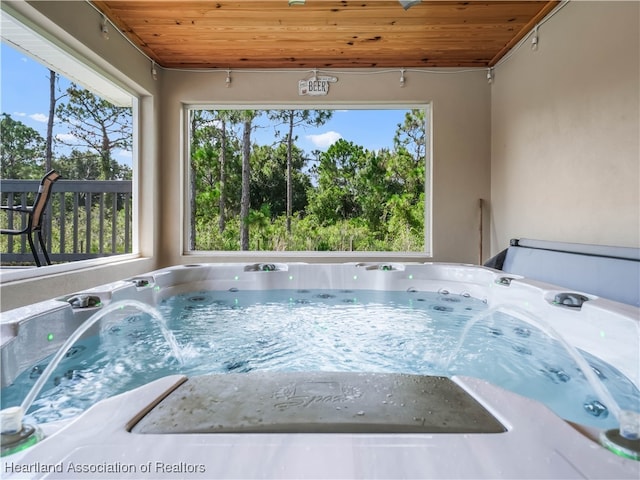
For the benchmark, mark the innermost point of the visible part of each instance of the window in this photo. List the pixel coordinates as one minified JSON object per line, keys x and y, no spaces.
{"x":58,"y":113}
{"x":339,"y":180}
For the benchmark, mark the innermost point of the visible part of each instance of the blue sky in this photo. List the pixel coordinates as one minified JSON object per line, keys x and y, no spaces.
{"x":24,"y":95}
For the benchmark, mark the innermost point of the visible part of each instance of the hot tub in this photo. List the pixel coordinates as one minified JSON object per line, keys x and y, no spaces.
{"x":359,"y":422}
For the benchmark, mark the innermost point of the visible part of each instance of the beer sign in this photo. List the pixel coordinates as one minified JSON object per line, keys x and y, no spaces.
{"x":315,"y":86}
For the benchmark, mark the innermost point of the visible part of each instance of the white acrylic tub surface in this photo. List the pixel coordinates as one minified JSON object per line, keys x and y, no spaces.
{"x":537,"y":443}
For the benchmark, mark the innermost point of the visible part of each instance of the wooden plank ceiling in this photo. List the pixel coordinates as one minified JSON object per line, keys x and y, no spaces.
{"x":270,"y":34}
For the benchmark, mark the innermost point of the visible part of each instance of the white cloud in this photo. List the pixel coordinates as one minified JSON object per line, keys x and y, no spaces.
{"x":39,"y":117}
{"x":324,"y":140}
{"x":124,"y":153}
{"x":20,"y":114}
{"x":65,"y":137}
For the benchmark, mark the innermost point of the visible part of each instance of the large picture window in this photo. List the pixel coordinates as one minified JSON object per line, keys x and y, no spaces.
{"x":57,"y":113}
{"x":342,"y":180}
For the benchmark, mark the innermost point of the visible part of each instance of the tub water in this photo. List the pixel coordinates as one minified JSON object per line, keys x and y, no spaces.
{"x":414,"y":319}
{"x":323,"y":330}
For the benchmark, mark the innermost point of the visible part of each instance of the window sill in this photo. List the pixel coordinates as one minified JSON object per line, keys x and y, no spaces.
{"x":308,"y":257}
{"x":8,"y":275}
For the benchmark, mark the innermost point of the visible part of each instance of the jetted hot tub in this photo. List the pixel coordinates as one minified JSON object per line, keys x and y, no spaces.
{"x":244,"y":413}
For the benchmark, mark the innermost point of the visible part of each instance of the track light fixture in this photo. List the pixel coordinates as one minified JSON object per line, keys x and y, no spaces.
{"x":104,"y":28}
{"x":402,"y":78}
{"x":227,"y":81}
{"x":407,"y":4}
{"x":154,"y":71}
{"x":490,"y":75}
{"x":534,"y":39}
{"x":296,"y":2}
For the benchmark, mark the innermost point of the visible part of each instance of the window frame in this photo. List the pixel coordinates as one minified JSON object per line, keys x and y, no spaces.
{"x":114,"y":88}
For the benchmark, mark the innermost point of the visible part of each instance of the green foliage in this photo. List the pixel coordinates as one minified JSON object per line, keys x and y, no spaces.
{"x":98,"y":126}
{"x":86,"y":166}
{"x":267,"y":183}
{"x":337,"y":194}
{"x":307,"y":234}
{"x":411,"y":134}
{"x":358,"y":199}
{"x":21,"y":150}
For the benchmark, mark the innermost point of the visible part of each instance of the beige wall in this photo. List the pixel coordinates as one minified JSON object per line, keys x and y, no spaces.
{"x":565,"y":131}
{"x":461,"y":146}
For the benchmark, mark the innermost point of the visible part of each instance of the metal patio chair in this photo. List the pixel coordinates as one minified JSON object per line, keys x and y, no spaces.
{"x":35,"y":215}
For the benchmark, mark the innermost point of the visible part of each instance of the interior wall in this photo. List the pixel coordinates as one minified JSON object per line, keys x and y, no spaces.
{"x":461,"y":144}
{"x":565,"y":129}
